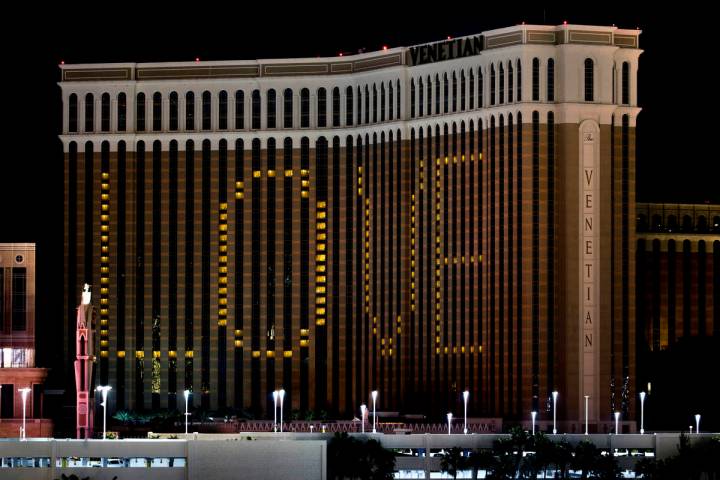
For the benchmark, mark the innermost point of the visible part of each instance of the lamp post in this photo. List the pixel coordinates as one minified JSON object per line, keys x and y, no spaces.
{"x":374,"y":395}
{"x":642,"y":413}
{"x":697,"y":423}
{"x":554,"y":395}
{"x":24,"y":392}
{"x":466,"y":395}
{"x":363,"y":409}
{"x":449,"y":417}
{"x":617,"y":418}
{"x":586,"y":413}
{"x":281,"y":396}
{"x":103,"y":389}
{"x":186,"y":394}
{"x":533,"y":414}
{"x":275,"y":399}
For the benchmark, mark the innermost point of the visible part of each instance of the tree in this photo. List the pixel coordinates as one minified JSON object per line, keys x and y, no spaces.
{"x":586,"y":455}
{"x":350,"y":458}
{"x":562,"y":456}
{"x":452,"y":460}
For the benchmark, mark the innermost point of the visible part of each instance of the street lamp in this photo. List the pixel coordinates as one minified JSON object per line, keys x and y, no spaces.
{"x":186,"y":394}
{"x":533,"y":414}
{"x":697,"y":423}
{"x":554,"y":395}
{"x":642,"y":413}
{"x":363,"y":409}
{"x":374,"y":395}
{"x":104,"y":389}
{"x":24,"y":392}
{"x":586,"y":413}
{"x":449,"y":417}
{"x":617,"y":418}
{"x":275,"y":399}
{"x":281,"y":396}
{"x":466,"y":394}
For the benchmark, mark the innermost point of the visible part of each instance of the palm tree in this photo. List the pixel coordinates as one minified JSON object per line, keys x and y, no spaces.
{"x":586,"y":456}
{"x":561,"y":456}
{"x":452,"y":460}
{"x":544,"y":453}
{"x":349,"y":457}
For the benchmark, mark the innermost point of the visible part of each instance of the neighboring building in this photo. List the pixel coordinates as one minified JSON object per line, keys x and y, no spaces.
{"x":17,"y":344}
{"x":421,"y":220}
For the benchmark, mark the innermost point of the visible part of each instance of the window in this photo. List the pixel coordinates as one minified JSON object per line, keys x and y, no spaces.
{"x":437,"y":94}
{"x":121,"y":112}
{"x":472,"y":90}
{"x":89,"y":112}
{"x":511,"y":84}
{"x":502,"y":84}
{"x":157,"y":112}
{"x":462,"y":90}
{"x":492,"y":84}
{"x":190,"y":111}
{"x":481,"y":89}
{"x":429,"y":95}
{"x":412,"y":98}
{"x":390,"y":101}
{"x":421,"y":97}
{"x":446,"y":94}
{"x":375,"y":104}
{"x":255,"y":110}
{"x":222,"y":110}
{"x":19,"y":299}
{"x":173,"y":99}
{"x":271,"y":110}
{"x":519,"y":82}
{"x":589,"y":79}
{"x":348,"y":106}
{"x":551,"y":80}
{"x":536,"y":79}
{"x":382,"y":102}
{"x":397,"y":96}
{"x":322,"y":108}
{"x":288,"y":108}
{"x":304,"y":108}
{"x":140,"y":112}
{"x":336,"y":107}
{"x":105,"y":113}
{"x":454,"y":92}
{"x":625,"y":83}
{"x":239,"y":110}
{"x":367,"y":104}
{"x":206,"y":110}
{"x":73,"y":113}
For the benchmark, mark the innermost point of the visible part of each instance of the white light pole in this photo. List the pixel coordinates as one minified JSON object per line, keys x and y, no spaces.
{"x":690,"y":429}
{"x":363,"y":409}
{"x":533,"y":414}
{"x":104,"y":389}
{"x":186,"y":394}
{"x":586,"y":413}
{"x":697,"y":423}
{"x":449,"y":417}
{"x":617,"y":418}
{"x":466,"y":395}
{"x":281,"y":396}
{"x":24,"y":392}
{"x":275,"y":398}
{"x":554,"y":395}
{"x":642,"y":413}
{"x":374,"y":395}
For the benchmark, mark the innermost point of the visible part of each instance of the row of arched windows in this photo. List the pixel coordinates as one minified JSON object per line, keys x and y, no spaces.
{"x":672,"y":224}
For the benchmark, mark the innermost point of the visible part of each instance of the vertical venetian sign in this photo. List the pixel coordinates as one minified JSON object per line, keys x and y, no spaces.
{"x":589,"y":257}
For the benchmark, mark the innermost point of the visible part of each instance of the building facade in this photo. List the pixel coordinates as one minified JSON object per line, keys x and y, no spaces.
{"x":420,"y":221}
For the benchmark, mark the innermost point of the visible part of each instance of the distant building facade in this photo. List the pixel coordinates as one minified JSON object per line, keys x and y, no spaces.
{"x":420,"y":221}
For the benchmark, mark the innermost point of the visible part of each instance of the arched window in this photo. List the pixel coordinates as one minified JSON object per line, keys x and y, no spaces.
{"x":398,"y":96}
{"x":349,"y":106}
{"x":412,"y":98}
{"x":672,"y":225}
{"x":382,"y":102}
{"x":255,"y":110}
{"x":105,"y":112}
{"x":657,"y":223}
{"x":173,"y":111}
{"x":641,"y":225}
{"x":288,"y":108}
{"x":625,"y":83}
{"x":304,"y":108}
{"x":701,"y":225}
{"x":157,"y":112}
{"x":519,"y":81}
{"x":437,"y":94}
{"x":121,"y":112}
{"x":271,"y":110}
{"x":502,"y":84}
{"x":472,"y":90}
{"x":73,"y":113}
{"x":511,"y":84}
{"x":589,"y":79}
{"x":429,"y":95}
{"x":140,"y":112}
{"x":462,"y":90}
{"x":454,"y":92}
{"x":421,"y":96}
{"x":222,"y":110}
{"x":336,"y":107}
{"x":89,"y":112}
{"x":446,"y":94}
{"x":239,"y":110}
{"x":206,"y":110}
{"x":481,"y":89}
{"x":551,"y":80}
{"x":687,"y":224}
{"x":391,"y":101}
{"x":190,"y":111}
{"x":321,"y":108}
{"x":536,"y":79}
{"x":374,"y":104}
{"x":492,"y":84}
{"x":359,"y":105}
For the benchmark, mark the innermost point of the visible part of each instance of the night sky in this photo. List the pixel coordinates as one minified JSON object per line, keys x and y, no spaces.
{"x":673,"y":164}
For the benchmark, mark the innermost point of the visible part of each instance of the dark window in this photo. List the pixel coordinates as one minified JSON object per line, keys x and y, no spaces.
{"x":412,"y":98}
{"x":462,"y":90}
{"x":271,"y":111}
{"x":89,"y":112}
{"x":454,"y":92}
{"x":536,"y":79}
{"x":625,"y":82}
{"x":446,"y":94}
{"x":288,"y":108}
{"x":190,"y":111}
{"x":687,"y":224}
{"x":206,"y":110}
{"x":382,"y":102}
{"x":672,"y":225}
{"x":173,"y":111}
{"x":511,"y":83}
{"x":429,"y":95}
{"x":390,"y":101}
{"x":397,"y":96}
{"x":73,"y":113}
{"x":481,"y":89}
{"x":421,"y":97}
{"x":367,"y":104}
{"x":519,"y":82}
{"x":701,"y":225}
{"x":37,"y":392}
{"x":502,"y":84}
{"x":304,"y":108}
{"x":336,"y":107}
{"x":222,"y":110}
{"x":589,"y":79}
{"x":472,"y":89}
{"x":374,"y":104}
{"x":239,"y":110}
{"x":359,"y":106}
{"x":255,"y":110}
{"x":157,"y":112}
{"x":551,"y":80}
{"x":492,"y":84}
{"x":7,"y":407}
{"x":19,"y":299}
{"x":321,"y":108}
{"x":122,"y":112}
{"x":437,"y":94}
{"x":140,"y":112}
{"x":348,"y":106}
{"x":105,"y":112}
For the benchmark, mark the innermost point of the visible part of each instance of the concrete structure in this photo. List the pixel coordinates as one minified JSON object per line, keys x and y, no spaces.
{"x":420,"y":221}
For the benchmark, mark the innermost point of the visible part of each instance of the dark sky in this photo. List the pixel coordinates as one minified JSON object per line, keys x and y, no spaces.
{"x":673,"y":164}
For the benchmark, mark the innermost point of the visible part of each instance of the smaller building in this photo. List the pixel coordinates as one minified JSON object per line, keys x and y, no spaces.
{"x":17,"y":344}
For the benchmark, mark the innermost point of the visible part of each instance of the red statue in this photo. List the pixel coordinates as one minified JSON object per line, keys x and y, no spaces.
{"x":83,"y":365}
